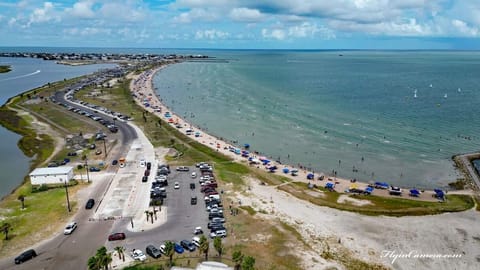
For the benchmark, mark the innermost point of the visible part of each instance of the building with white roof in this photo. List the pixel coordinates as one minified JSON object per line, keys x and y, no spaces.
{"x":54,"y":175}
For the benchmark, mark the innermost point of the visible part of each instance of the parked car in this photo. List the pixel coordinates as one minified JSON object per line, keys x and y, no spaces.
{"x":198,"y":230}
{"x":178,"y":248}
{"x":196,"y":241}
{"x":138,"y":255}
{"x":183,"y":169}
{"x":72,"y":154}
{"x":143,"y":163}
{"x":114,"y":162}
{"x":162,"y":248}
{"x":94,"y":169}
{"x":187,"y":245}
{"x":90,"y":204}
{"x":219,"y":233}
{"x":25,"y":256}
{"x":98,"y":152}
{"x":144,"y":178}
{"x":153,"y":251}
{"x":194,"y":174}
{"x":147,"y":172}
{"x":193,"y":200}
{"x":70,"y":228}
{"x":177,"y":185}
{"x":192,"y":186}
{"x":116,"y":236}
{"x":149,"y":165}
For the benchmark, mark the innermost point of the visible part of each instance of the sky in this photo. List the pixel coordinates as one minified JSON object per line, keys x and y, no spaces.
{"x":243,"y":24}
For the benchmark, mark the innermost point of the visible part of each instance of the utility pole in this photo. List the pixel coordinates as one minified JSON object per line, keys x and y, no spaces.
{"x":66,"y":192}
{"x":86,"y":167}
{"x":105,"y":147}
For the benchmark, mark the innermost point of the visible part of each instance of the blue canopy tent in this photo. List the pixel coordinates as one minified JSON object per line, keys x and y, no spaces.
{"x":414,"y":193}
{"x":330,"y":186}
{"x":265,"y":161}
{"x":285,"y":170}
{"x":246,"y":146}
{"x":382,"y":185}
{"x":310,"y":176}
{"x":272,"y":168}
{"x":369,"y":190}
{"x":439,"y":194}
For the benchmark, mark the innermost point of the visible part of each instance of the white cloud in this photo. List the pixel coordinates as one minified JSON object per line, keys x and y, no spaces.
{"x":406,"y":27}
{"x":125,"y":12}
{"x":195,"y":15}
{"x":211,"y":34}
{"x":246,"y":15}
{"x":45,"y":14}
{"x":82,"y":9}
{"x":465,"y":29}
{"x":278,"y":34}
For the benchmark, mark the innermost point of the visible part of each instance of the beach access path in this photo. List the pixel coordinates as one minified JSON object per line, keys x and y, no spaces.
{"x":142,"y":88}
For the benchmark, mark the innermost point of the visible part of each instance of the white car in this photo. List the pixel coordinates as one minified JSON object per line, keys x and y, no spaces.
{"x":176,"y":186}
{"x":70,"y":228}
{"x":143,"y":163}
{"x":194,"y":174}
{"x":138,"y":255}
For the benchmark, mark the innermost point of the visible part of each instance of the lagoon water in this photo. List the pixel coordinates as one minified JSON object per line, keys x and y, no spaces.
{"x":26,"y":74}
{"x":370,"y":115}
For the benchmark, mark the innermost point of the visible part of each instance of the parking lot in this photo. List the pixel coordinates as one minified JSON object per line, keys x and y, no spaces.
{"x":181,"y":216}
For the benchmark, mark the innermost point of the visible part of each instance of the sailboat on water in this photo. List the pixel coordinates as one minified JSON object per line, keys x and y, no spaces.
{"x":415,"y":93}
{"x":445,"y":96}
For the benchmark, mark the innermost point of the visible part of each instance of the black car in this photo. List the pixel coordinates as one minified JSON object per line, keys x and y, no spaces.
{"x":149,"y":165}
{"x":153,"y":251}
{"x":192,"y":186}
{"x":187,"y":245}
{"x":144,"y":178}
{"x":212,"y":215}
{"x":193,"y":200}
{"x":216,"y":227}
{"x":214,"y":224}
{"x":25,"y":256}
{"x":114,"y":162}
{"x":90,"y":204}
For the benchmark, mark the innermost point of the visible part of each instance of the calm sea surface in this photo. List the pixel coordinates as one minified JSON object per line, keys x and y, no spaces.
{"x":27,"y":73}
{"x":389,"y":116}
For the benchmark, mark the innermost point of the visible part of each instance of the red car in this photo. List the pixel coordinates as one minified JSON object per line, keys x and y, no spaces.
{"x":116,"y":236}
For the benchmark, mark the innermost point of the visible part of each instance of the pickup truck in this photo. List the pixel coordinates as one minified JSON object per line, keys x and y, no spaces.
{"x":138,"y":255}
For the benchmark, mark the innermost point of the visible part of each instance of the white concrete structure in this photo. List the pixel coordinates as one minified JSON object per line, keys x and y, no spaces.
{"x":54,"y":175}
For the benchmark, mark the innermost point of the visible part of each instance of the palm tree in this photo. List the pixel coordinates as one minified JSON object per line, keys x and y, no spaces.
{"x":203,"y":246}
{"x":147,"y":213}
{"x":169,"y":251}
{"x":237,"y":258}
{"x":93,"y":263}
{"x":218,"y":245}
{"x":107,"y":260}
{"x":21,"y":198}
{"x":119,"y":250}
{"x":5,"y":228}
{"x":248,"y":263}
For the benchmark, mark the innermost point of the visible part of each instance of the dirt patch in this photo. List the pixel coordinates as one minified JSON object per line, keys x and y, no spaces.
{"x":356,"y":202}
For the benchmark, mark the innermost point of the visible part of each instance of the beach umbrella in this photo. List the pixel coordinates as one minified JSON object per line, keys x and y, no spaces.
{"x":285,"y":170}
{"x":310,"y":176}
{"x":414,"y":192}
{"x":246,"y":145}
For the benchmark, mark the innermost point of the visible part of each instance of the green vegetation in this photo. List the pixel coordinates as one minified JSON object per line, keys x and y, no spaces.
{"x":101,"y":260}
{"x":459,"y":184}
{"x":249,"y":209}
{"x":381,"y":205}
{"x":5,"y":69}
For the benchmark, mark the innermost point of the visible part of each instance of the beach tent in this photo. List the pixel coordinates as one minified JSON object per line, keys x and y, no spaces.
{"x":237,"y":151}
{"x":197,"y":134}
{"x":353,"y":186}
{"x":272,"y":168}
{"x":414,"y":193}
{"x":265,"y":161}
{"x":246,"y":146}
{"x":330,"y":185}
{"x":382,"y":185}
{"x":285,"y":170}
{"x":310,"y":176}
{"x":369,"y":190}
{"x":439,"y":194}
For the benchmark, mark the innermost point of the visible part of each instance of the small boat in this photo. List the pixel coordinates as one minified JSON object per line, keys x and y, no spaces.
{"x":445,"y":96}
{"x":459,"y":90}
{"x":415,"y":93}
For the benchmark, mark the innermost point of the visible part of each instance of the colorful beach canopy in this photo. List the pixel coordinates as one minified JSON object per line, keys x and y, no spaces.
{"x":369,"y":190}
{"x":330,"y":185}
{"x":414,"y":192}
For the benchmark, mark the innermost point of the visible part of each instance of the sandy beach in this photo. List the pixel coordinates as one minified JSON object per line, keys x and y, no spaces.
{"x":373,"y":239}
{"x":142,"y":88}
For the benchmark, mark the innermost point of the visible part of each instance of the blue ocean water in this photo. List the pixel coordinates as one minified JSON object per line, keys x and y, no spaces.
{"x":371,"y":115}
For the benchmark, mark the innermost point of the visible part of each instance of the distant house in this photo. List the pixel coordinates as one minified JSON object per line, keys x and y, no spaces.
{"x":54,"y":175}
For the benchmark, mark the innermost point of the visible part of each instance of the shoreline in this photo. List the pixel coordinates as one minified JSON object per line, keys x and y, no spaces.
{"x":143,"y":89}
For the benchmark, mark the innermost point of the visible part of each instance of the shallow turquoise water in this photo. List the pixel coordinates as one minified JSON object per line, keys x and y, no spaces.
{"x":319,"y":108}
